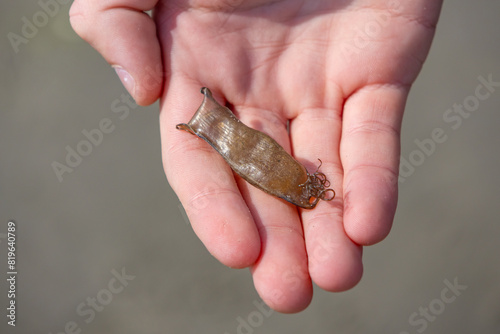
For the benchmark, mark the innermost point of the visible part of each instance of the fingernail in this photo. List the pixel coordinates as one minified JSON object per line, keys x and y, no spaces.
{"x":126,"y":79}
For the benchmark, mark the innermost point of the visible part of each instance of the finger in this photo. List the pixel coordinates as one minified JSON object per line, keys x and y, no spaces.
{"x":334,"y":259}
{"x":280,"y":276}
{"x":370,"y":154}
{"x":126,"y":37}
{"x":205,"y":183}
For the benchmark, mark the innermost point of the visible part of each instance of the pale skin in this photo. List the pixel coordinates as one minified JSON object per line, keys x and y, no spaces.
{"x":338,"y":71}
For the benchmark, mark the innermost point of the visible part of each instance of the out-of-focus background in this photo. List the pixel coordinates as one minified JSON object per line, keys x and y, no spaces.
{"x":106,"y":248}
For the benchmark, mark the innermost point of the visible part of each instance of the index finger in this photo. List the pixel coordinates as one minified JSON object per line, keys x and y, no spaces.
{"x":204,"y":182}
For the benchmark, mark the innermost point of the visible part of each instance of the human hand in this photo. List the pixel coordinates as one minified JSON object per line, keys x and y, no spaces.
{"x":338,"y":71}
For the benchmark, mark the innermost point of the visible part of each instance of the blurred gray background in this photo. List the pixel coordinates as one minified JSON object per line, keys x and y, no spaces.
{"x":115,"y":211}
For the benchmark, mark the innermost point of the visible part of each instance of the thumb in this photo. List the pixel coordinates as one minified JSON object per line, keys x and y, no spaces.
{"x":125,"y":36}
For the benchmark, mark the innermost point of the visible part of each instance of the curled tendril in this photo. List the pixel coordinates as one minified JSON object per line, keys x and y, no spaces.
{"x":316,"y":187}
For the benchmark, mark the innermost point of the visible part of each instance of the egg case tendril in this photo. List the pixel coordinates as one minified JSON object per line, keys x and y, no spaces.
{"x":316,"y":186}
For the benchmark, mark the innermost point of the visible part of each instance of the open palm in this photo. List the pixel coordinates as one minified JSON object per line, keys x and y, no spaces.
{"x":326,"y":79}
